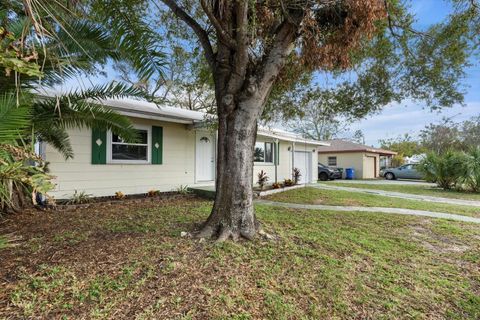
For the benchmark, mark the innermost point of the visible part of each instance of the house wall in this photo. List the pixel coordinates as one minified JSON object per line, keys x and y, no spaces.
{"x":285,"y":166}
{"x":178,"y":166}
{"x":104,"y":180}
{"x":356,"y":160}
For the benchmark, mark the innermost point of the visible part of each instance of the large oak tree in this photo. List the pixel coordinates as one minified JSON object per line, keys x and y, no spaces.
{"x":257,"y":50}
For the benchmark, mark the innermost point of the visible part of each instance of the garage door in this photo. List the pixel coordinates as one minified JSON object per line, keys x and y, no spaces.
{"x":303,"y":161}
{"x":369,"y":168}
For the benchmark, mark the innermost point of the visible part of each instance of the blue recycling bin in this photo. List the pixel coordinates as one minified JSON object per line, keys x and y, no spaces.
{"x":350,"y":174}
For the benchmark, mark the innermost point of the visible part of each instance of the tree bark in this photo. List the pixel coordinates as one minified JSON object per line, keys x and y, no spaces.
{"x":232,"y":216}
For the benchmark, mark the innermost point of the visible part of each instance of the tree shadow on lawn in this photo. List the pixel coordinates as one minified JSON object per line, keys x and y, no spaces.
{"x":129,"y":262}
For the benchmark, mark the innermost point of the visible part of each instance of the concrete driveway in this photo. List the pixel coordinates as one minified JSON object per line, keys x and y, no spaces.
{"x":388,"y":182}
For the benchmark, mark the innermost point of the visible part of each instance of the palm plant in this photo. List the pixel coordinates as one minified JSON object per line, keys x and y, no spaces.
{"x":471,"y":170}
{"x":44,"y":43}
{"x":445,"y":169}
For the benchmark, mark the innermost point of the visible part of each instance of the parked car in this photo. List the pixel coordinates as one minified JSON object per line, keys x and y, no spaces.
{"x":407,"y":171}
{"x":327,"y":173}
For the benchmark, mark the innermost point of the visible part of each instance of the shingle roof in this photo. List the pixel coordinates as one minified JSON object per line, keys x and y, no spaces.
{"x":338,"y":145}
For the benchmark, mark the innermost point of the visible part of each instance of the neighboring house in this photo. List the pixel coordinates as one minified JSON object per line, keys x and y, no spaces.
{"x":345,"y":154}
{"x":175,"y":149}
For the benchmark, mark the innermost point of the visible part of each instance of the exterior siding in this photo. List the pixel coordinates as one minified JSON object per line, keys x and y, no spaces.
{"x":356,"y":160}
{"x":285,"y":167}
{"x":178,"y":167}
{"x":105,"y":179}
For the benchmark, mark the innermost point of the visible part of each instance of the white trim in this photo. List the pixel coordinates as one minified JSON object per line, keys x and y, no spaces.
{"x":265,"y":163}
{"x":149,"y":148}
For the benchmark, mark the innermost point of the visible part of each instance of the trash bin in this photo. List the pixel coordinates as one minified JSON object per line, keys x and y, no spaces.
{"x":350,"y":174}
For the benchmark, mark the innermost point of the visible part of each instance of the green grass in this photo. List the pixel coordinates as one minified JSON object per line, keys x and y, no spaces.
{"x":3,"y":243}
{"x":323,"y":265}
{"x":310,"y":195}
{"x":413,"y":189}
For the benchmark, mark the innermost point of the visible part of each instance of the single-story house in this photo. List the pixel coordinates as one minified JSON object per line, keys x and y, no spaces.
{"x":176,"y":148}
{"x":345,"y":154}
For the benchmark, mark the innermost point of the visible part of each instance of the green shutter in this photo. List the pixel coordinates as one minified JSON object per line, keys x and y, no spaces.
{"x":157,"y":145}
{"x":99,"y":146}
{"x":277,"y":153}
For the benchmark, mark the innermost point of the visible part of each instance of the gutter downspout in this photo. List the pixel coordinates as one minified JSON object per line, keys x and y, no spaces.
{"x":277,"y":154}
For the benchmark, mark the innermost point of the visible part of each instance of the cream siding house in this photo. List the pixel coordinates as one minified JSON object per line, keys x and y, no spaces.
{"x":363,"y":159}
{"x":175,"y":149}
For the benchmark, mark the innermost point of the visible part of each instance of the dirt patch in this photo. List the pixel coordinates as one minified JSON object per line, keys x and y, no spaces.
{"x":435,"y":242}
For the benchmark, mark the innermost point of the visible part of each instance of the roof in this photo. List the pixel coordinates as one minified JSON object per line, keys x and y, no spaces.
{"x":338,"y":145}
{"x":149,"y":110}
{"x":288,"y":136}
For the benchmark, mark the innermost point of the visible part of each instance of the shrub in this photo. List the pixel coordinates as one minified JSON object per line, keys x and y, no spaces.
{"x":296,"y":175}
{"x":276,"y":185}
{"x":80,"y":198}
{"x":153,"y":193}
{"x":262,"y":179}
{"x":445,"y":169}
{"x":23,"y":174}
{"x":471,"y":170}
{"x":119,"y":195}
{"x":288,"y":182}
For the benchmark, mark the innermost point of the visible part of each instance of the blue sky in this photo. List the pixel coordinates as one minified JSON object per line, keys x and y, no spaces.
{"x":409,"y":117}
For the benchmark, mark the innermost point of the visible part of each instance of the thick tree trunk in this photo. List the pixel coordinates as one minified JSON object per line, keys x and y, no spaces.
{"x":233,"y":214}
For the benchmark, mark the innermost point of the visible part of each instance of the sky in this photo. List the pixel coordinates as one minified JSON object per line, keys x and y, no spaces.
{"x":395,"y":119}
{"x":409,"y":117}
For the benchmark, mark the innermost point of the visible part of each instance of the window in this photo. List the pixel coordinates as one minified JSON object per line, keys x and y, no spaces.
{"x":125,"y":152}
{"x":263,"y":152}
{"x":332,"y":161}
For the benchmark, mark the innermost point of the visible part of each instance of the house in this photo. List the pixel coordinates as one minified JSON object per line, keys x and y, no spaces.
{"x":176,"y":148}
{"x":346,"y":154}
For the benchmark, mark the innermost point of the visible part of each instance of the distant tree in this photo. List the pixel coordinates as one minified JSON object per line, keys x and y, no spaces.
{"x":442,"y":137}
{"x":404,"y":145}
{"x":358,"y":137}
{"x":470,"y":133}
{"x":317,"y":115}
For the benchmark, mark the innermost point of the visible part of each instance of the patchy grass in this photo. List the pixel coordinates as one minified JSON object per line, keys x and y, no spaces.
{"x":310,"y":195}
{"x":3,"y":242}
{"x":131,"y":263}
{"x":413,"y":189}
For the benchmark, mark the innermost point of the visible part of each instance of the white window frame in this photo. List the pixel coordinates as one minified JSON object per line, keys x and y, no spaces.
{"x":264,"y":150}
{"x":149,"y":147}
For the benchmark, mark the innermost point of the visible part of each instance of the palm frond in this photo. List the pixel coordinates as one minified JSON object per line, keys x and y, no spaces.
{"x":14,"y":120}
{"x":57,"y":137}
{"x":82,"y":109}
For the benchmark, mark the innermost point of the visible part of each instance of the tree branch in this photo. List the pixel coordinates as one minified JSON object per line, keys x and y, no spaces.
{"x":199,"y":31}
{"x":222,"y":35}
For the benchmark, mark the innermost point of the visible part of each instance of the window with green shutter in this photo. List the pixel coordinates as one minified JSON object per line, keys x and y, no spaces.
{"x":157,"y":145}
{"x":99,"y":146}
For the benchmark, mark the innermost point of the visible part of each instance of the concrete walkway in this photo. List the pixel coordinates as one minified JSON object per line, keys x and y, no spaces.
{"x":420,"y":213}
{"x":400,"y":195}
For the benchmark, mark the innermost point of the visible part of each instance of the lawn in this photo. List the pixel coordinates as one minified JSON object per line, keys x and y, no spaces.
{"x":310,"y":195}
{"x":413,"y":189}
{"x":131,"y":263}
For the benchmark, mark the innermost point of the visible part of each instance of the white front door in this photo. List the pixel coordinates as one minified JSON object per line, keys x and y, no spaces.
{"x":303,"y":161}
{"x":205,"y":157}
